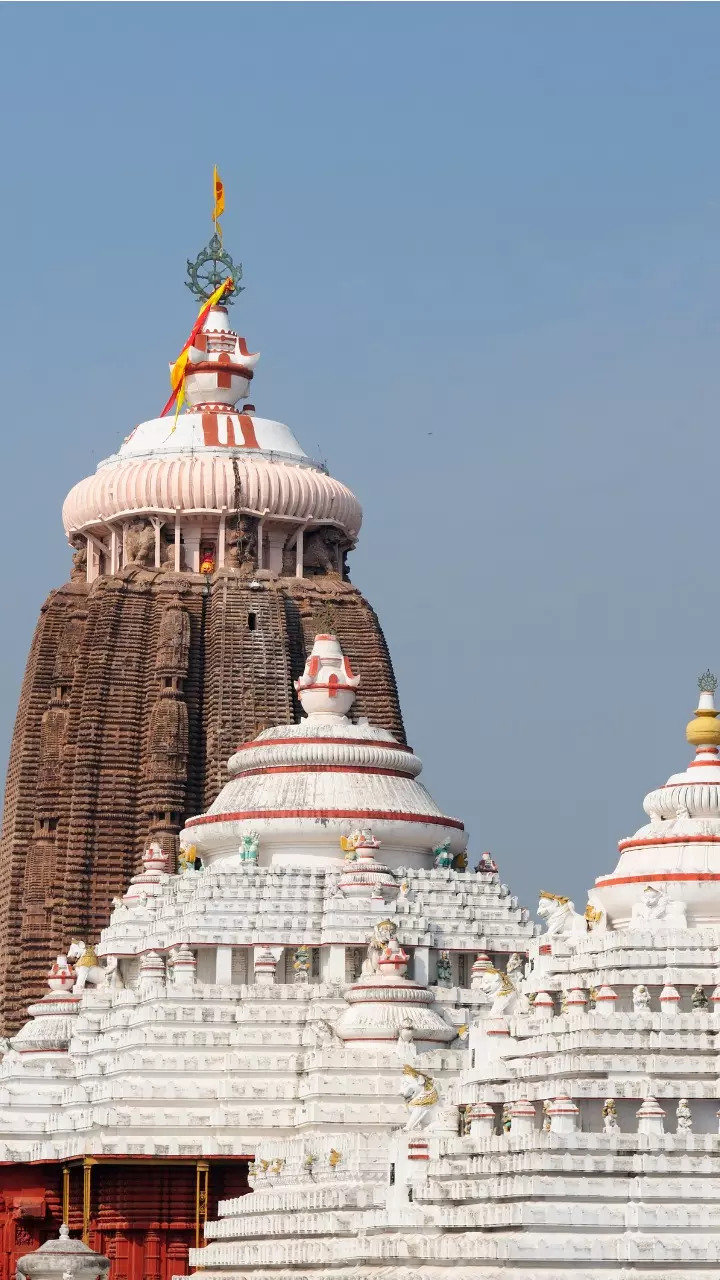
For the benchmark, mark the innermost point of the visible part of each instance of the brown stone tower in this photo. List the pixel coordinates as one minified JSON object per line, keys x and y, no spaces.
{"x":206,"y":558}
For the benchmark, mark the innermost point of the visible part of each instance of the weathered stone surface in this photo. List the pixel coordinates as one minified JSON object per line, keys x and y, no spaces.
{"x":137,"y":690}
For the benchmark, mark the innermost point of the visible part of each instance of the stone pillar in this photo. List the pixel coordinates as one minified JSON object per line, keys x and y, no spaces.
{"x":223,"y":966}
{"x":221,"y":539}
{"x":276,"y":542}
{"x":651,"y":1118}
{"x":669,"y":1000}
{"x":481,"y":1119}
{"x":299,"y":545}
{"x":114,"y":551}
{"x":177,"y":542}
{"x":192,"y":549}
{"x":605,"y":1000}
{"x":575,"y":1001}
{"x":260,"y":548}
{"x":424,"y":966}
{"x":522,"y":1114}
{"x":543,"y":1006}
{"x":333,"y":963}
{"x":157,"y":525}
{"x":184,"y":967}
{"x":151,"y":979}
{"x":564,"y":1115}
{"x":265,"y":965}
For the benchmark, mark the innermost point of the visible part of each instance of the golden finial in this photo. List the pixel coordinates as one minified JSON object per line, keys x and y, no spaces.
{"x":704,"y":728}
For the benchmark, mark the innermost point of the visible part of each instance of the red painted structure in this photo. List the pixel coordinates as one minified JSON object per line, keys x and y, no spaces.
{"x":144,"y":1214}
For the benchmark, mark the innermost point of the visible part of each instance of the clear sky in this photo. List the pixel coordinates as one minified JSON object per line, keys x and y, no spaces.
{"x":481,"y":246}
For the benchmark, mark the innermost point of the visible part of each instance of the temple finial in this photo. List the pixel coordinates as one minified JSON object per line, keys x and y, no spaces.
{"x":212,"y":266}
{"x":327,"y":685}
{"x":703,"y":730}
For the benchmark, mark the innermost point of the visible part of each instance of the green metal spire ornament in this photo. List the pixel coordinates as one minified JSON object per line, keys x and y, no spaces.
{"x":213,"y":265}
{"x":707,"y":682}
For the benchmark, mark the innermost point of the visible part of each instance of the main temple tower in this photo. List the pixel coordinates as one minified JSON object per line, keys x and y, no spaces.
{"x":206,"y":556}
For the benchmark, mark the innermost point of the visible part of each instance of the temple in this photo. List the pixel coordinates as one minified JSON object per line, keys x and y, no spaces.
{"x":206,"y":554}
{"x":321,"y":948}
{"x":268,"y":1016}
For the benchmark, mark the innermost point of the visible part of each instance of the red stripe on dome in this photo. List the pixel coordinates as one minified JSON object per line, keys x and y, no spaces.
{"x":343,"y":742}
{"x":639,"y":844}
{"x":650,"y":879}
{"x":220,"y":365}
{"x":386,"y":815}
{"x":323,"y":768}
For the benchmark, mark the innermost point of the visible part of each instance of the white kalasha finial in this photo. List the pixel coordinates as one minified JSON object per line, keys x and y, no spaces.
{"x":327,"y":686}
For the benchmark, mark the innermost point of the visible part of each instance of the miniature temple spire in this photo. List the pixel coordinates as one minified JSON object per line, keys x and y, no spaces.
{"x":327,"y":686}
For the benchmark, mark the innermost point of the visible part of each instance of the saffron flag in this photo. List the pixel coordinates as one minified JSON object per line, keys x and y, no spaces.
{"x":177,"y":372}
{"x":219,"y":196}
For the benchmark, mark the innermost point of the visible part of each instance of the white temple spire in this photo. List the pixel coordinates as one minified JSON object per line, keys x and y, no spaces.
{"x":327,"y":686}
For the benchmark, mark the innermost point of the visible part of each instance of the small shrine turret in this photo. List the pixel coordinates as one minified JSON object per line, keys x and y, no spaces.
{"x":327,"y":685}
{"x":299,"y":788}
{"x":669,"y":870}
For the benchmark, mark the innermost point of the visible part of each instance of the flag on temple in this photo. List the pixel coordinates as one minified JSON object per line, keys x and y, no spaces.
{"x":177,"y":371}
{"x":219,"y":196}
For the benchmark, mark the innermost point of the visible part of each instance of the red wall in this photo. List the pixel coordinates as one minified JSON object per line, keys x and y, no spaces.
{"x":142,"y":1216}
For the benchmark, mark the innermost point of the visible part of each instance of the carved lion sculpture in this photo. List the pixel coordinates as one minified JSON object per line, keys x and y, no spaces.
{"x":79,"y":559}
{"x":140,"y":543}
{"x":320,"y":551}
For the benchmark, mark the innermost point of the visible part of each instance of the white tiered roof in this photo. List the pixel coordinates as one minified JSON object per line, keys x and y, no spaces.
{"x":273,"y":1002}
{"x":591,"y":1146}
{"x":300,"y":785}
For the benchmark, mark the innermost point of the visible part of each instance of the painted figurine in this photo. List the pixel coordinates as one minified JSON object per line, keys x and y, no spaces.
{"x":486,"y":865}
{"x":443,"y":856}
{"x":610,"y":1119}
{"x":641,"y":999}
{"x":684,"y":1116}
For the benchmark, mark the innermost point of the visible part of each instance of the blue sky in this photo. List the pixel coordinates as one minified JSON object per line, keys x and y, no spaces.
{"x":481,"y":246}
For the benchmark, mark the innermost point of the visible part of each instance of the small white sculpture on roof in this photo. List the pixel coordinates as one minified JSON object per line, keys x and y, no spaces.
{"x":641,"y":998}
{"x":250,"y":847}
{"x":187,"y":855}
{"x":406,"y":1048}
{"x":655,"y":906}
{"x":683,"y":1115}
{"x":502,"y":992}
{"x":610,"y":1117}
{"x":382,"y":933}
{"x":88,"y":970}
{"x":559,"y":914}
{"x":421,"y":1095}
{"x":443,"y":855}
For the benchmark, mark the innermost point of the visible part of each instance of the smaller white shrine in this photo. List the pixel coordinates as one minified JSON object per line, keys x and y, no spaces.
{"x":298,"y":990}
